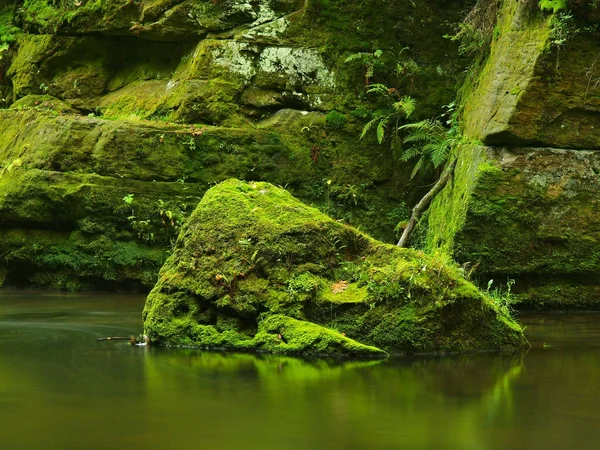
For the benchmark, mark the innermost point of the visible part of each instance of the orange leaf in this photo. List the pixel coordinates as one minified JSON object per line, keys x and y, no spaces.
{"x":340,"y":286}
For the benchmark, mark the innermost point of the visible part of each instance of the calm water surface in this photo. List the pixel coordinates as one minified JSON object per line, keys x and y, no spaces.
{"x":60,"y":389}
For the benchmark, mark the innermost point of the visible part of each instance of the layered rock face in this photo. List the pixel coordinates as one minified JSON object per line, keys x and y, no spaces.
{"x":256,"y":269}
{"x":526,"y":206}
{"x":120,"y":115}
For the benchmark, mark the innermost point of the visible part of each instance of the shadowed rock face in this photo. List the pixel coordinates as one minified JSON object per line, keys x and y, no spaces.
{"x":256,"y":269}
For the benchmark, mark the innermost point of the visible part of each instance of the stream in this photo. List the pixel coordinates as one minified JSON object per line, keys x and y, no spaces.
{"x":60,"y":389}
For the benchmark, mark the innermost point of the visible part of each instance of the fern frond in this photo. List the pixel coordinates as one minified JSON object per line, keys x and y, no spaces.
{"x":378,"y":88}
{"x":361,"y":56}
{"x":370,"y":70}
{"x":410,"y":153}
{"x":368,"y":126}
{"x":381,"y":128}
{"x":408,"y":105}
{"x":426,"y":124}
{"x":418,"y":167}
{"x":430,"y":148}
{"x":417,"y":136}
{"x":440,"y":155}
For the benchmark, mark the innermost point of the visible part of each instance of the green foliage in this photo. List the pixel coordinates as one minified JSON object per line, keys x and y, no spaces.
{"x":336,"y":120}
{"x":370,"y":61}
{"x":128,"y":199}
{"x":562,"y":28}
{"x":430,"y":142}
{"x":475,"y":33}
{"x":502,"y":297}
{"x":162,"y":226}
{"x":399,"y":108}
{"x":553,"y":5}
{"x":8,"y":34}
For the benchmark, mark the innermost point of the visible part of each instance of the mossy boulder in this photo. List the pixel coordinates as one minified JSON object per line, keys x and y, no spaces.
{"x":256,"y":269}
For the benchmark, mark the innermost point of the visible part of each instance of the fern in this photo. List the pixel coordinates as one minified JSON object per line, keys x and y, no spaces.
{"x":378,"y":88}
{"x":381,"y":128}
{"x":429,"y":141}
{"x":418,"y":167}
{"x":368,"y":59}
{"x":416,"y":137}
{"x":407,"y":105}
{"x":368,"y":126}
{"x":357,"y":57}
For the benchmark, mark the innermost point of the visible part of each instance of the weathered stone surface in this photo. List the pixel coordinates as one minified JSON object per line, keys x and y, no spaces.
{"x":144,"y":59}
{"x":529,"y":214}
{"x":533,"y":91}
{"x":255,"y":269}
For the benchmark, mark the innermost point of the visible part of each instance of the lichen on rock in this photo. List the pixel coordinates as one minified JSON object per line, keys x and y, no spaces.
{"x":256,"y":269}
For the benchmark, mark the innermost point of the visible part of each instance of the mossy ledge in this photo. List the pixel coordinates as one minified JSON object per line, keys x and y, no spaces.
{"x":254,"y":269}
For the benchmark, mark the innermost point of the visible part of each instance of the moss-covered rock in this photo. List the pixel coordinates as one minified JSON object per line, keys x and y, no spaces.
{"x":529,"y":213}
{"x":526,"y":214}
{"x":190,"y":61}
{"x":255,"y":269}
{"x":71,"y":174}
{"x":538,"y":86}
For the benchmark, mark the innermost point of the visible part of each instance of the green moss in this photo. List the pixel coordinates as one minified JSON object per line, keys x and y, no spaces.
{"x":8,"y":31}
{"x":253,"y":256}
{"x":336,"y":120}
{"x":42,"y":103}
{"x":449,"y":209}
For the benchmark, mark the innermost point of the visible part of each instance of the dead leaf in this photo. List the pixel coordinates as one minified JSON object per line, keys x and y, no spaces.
{"x":340,"y":286}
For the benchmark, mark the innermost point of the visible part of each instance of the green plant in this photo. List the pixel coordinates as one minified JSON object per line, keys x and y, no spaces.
{"x":430,"y":142}
{"x":399,"y":108}
{"x":502,"y":298}
{"x":128,"y":199}
{"x":562,"y":28}
{"x":191,"y":144}
{"x":336,"y":120}
{"x":159,"y":223}
{"x":348,"y":194}
{"x":44,"y":88}
{"x":476,"y":31}
{"x":553,"y":5}
{"x":369,"y":60}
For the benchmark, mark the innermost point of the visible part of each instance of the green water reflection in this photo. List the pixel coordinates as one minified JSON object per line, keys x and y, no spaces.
{"x":59,"y":389}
